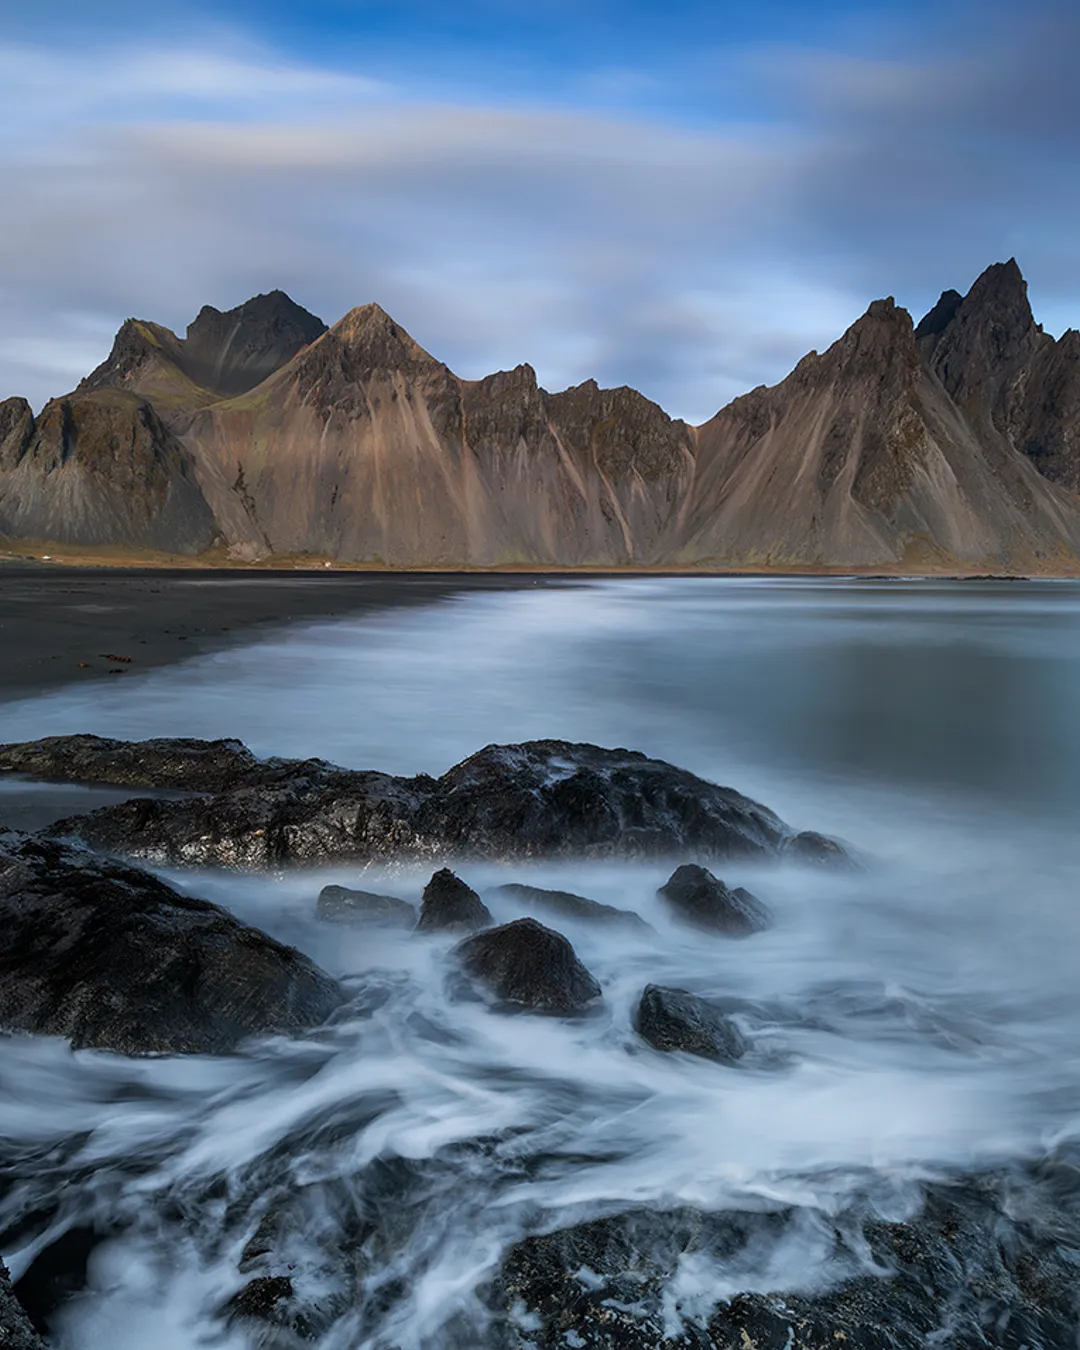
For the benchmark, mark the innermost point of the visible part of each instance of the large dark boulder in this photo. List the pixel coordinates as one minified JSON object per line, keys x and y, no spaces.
{"x":16,"y":1332}
{"x":541,"y":799}
{"x":566,"y":905}
{"x":554,"y":798}
{"x":673,"y":1019}
{"x":526,"y":964}
{"x":339,"y":904}
{"x":110,"y":956}
{"x":450,"y":906}
{"x":696,"y":897}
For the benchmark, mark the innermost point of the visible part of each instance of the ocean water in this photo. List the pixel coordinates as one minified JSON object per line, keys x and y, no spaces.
{"x":908,"y":1021}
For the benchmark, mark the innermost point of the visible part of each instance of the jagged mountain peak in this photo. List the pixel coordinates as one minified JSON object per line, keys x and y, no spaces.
{"x":274,"y":309}
{"x":990,"y":334}
{"x":1000,"y":293}
{"x":879,"y":341}
{"x":897,"y":442}
{"x":937,"y":319}
{"x":374,"y":340}
{"x":231,"y":352}
{"x":147,"y":358}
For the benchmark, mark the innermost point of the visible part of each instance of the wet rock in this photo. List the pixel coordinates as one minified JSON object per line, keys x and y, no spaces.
{"x":601,"y":1285}
{"x":199,"y":766}
{"x":569,"y":906}
{"x":16,"y":1331}
{"x":965,"y":1273}
{"x":811,"y":847}
{"x":449,"y":906}
{"x":541,"y":799}
{"x":297,"y":812}
{"x":57,"y":1272}
{"x":698,"y":898}
{"x":339,"y":904}
{"x":554,"y":798}
{"x":673,"y":1019}
{"x":527,"y":964}
{"x":110,"y":956}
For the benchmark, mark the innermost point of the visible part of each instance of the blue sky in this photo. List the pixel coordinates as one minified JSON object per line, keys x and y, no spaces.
{"x":684,"y":196}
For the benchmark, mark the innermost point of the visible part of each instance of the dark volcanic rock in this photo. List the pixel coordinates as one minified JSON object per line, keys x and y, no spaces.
{"x":674,"y":1019}
{"x":450,"y":906}
{"x":112,"y":957}
{"x":965,"y":1274}
{"x":699,"y":898}
{"x":523,"y":962}
{"x":290,"y":811}
{"x":809,"y":846}
{"x":199,"y":766}
{"x":339,"y":904}
{"x":630,"y":1260}
{"x":555,"y":798}
{"x":540,"y":799}
{"x":570,"y":906}
{"x":16,"y":1333}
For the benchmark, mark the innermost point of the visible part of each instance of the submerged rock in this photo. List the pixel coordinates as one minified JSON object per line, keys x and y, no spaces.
{"x":540,"y":799}
{"x":570,"y":906}
{"x":525,"y":963}
{"x":110,"y":956}
{"x":674,"y":1019}
{"x":811,"y":847}
{"x":450,"y":906}
{"x":16,"y":1331}
{"x":339,"y":904}
{"x":965,"y":1273}
{"x":700,"y":899}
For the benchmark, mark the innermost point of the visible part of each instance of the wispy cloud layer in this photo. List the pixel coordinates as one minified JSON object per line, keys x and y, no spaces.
{"x":692,"y":258}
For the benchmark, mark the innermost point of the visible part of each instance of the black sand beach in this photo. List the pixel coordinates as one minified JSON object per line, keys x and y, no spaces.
{"x":59,"y":626}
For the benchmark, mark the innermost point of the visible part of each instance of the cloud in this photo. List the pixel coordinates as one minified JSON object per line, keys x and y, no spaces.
{"x":690,"y":260}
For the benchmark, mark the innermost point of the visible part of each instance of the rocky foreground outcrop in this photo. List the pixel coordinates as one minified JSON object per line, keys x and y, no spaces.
{"x":108,"y":955}
{"x":975,"y":1269}
{"x":111,"y":957}
{"x":542,"y":799}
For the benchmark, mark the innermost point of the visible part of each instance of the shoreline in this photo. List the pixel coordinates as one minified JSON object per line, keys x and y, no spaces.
{"x":75,"y":559}
{"x":65,"y":626}
{"x":62,"y":627}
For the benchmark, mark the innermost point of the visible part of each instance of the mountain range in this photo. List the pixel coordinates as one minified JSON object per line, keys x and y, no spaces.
{"x":951,"y":443}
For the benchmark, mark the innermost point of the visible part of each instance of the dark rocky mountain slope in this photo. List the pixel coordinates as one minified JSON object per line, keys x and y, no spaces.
{"x":953,"y":443}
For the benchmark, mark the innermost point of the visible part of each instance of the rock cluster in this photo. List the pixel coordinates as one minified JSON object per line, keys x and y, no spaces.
{"x":107,"y":955}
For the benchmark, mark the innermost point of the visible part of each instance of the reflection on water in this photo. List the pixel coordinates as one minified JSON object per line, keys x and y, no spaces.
{"x":921,"y":1016}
